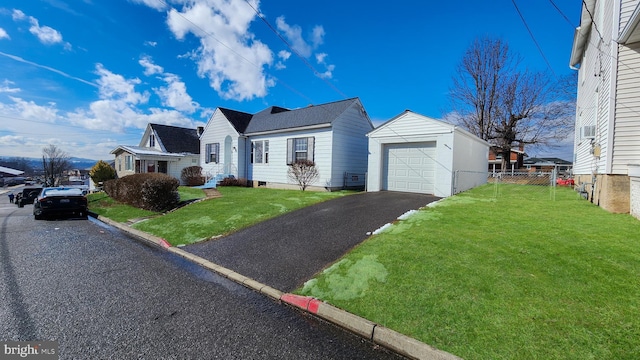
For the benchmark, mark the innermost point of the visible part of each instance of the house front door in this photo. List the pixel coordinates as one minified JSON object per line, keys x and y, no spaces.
{"x":151,"y":168}
{"x":162,"y":167}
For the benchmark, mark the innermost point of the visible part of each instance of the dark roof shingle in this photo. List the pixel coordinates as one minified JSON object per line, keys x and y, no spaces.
{"x":276,"y":118}
{"x":177,"y":139}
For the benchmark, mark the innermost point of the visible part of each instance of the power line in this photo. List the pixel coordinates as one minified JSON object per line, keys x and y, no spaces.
{"x":561,"y":13}
{"x":533,"y":38}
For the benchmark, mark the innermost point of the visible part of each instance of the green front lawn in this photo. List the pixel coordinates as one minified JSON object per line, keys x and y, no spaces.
{"x":236,"y":209}
{"x":518,"y":276}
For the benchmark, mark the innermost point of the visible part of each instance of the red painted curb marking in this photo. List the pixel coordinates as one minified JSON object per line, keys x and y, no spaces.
{"x":313,"y":306}
{"x":165,"y":243}
{"x":296,"y":300}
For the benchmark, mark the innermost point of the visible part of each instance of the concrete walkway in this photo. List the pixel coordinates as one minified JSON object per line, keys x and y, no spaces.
{"x":287,"y":251}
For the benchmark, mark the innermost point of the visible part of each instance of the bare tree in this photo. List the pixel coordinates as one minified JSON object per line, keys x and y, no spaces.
{"x":54,"y":163}
{"x":504,"y":105}
{"x":303,"y":173}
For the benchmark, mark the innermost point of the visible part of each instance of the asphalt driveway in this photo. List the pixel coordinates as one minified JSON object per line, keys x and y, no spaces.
{"x":287,"y":251}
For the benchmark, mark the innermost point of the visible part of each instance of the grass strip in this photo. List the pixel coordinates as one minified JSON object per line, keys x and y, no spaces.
{"x":512,"y":276}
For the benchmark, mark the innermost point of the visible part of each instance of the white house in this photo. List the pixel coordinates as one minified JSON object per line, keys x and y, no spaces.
{"x":163,"y":148}
{"x":415,"y":153}
{"x":259,"y":147}
{"x":606,"y":49}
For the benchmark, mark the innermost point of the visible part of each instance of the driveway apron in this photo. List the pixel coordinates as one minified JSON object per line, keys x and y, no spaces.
{"x":286,"y":251}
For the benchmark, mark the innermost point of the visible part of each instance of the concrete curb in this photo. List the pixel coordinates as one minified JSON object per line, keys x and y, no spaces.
{"x":378,"y":334}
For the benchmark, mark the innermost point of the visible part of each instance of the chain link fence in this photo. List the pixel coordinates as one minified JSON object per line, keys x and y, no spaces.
{"x":537,"y":182}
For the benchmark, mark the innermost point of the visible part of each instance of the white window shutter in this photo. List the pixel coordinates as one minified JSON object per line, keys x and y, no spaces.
{"x":290,"y":151}
{"x":310,"y":148}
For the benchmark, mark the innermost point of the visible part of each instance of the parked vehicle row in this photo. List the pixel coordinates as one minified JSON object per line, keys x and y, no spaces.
{"x":60,"y":201}
{"x":57,"y":201}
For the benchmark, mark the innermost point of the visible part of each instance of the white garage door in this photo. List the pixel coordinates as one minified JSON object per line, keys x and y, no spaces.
{"x":409,"y":167}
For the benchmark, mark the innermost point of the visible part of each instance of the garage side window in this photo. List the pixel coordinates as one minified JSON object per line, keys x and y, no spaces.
{"x":211,"y":153}
{"x":299,"y":149}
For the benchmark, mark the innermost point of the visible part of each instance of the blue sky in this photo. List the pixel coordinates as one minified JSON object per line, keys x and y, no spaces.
{"x":88,"y":75}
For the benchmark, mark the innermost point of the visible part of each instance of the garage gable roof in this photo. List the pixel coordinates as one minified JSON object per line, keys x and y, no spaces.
{"x":394,"y":126}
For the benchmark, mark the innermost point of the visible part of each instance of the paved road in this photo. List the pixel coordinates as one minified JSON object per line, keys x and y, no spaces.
{"x":101,"y":294}
{"x":287,"y":251}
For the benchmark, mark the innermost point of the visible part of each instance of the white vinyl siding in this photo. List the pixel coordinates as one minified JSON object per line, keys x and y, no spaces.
{"x":276,"y":171}
{"x":626,"y":146}
{"x":216,"y":132}
{"x":350,"y":146}
{"x":594,"y":104}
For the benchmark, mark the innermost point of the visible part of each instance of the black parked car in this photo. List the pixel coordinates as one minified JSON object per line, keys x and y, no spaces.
{"x":60,"y":201}
{"x":27,"y":195}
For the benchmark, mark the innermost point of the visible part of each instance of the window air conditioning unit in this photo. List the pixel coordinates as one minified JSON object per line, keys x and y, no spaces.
{"x":588,"y":132}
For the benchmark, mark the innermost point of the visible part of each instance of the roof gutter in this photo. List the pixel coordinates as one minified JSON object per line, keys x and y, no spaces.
{"x":300,"y":128}
{"x":581,"y":34}
{"x":631,"y":27}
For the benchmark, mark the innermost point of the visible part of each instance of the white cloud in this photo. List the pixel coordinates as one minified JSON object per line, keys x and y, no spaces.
{"x":6,"y":87}
{"x":18,"y":15}
{"x":154,"y":4}
{"x":328,"y":73}
{"x":3,"y":34}
{"x":46,"y":35}
{"x":175,"y":94}
{"x":283,"y":55}
{"x":29,"y":110}
{"x":116,"y":87}
{"x":294,"y":36}
{"x":317,"y":36}
{"x":149,"y":67}
{"x":229,"y":54}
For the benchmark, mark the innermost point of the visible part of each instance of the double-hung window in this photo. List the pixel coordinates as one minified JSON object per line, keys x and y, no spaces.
{"x":300,"y":149}
{"x":152,"y":140}
{"x":260,"y":152}
{"x":128,"y":162}
{"x":211,"y":153}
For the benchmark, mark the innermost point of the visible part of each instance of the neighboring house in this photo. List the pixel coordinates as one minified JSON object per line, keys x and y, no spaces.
{"x":606,"y":49}
{"x":415,"y":153}
{"x":259,"y":147}
{"x":12,"y":176}
{"x":516,"y":159}
{"x":562,"y":167}
{"x":163,"y":149}
{"x":9,"y":172}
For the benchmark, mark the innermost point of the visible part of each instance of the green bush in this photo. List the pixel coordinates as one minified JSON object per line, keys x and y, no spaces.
{"x":152,"y":191}
{"x":101,"y":172}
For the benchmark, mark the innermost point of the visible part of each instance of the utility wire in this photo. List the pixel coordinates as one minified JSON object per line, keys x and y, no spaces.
{"x":534,"y":38}
{"x":561,"y":13}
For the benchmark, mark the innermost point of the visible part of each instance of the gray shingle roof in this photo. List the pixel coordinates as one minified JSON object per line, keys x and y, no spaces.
{"x":178,"y":139}
{"x":238,"y":119}
{"x":276,"y":118}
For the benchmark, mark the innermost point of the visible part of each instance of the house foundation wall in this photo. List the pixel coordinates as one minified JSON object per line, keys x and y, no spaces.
{"x":275,"y":185}
{"x":611,"y":192}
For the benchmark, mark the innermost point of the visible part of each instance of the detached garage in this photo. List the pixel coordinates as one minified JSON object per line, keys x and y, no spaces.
{"x":415,"y":153}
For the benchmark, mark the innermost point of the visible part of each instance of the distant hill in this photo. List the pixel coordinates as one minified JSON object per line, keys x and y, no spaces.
{"x":36,"y":163}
